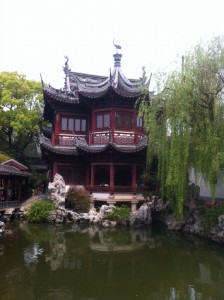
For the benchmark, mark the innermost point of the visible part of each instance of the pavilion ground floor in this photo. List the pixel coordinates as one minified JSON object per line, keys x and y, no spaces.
{"x":107,"y":177}
{"x":108,"y":182}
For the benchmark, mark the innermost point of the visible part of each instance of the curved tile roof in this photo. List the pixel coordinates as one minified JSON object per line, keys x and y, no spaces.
{"x":81,"y":144}
{"x":60,"y":95}
{"x":46,"y":144}
{"x":95,"y":86}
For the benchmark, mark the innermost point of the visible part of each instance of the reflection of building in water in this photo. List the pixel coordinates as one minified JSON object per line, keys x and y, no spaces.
{"x":190,"y":290}
{"x":123,"y":240}
{"x":58,"y":250}
{"x":72,"y":263}
{"x":205,"y":274}
{"x":89,"y":265}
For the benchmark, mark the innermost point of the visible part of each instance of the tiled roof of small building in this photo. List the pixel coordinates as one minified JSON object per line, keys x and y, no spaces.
{"x":12,"y":171}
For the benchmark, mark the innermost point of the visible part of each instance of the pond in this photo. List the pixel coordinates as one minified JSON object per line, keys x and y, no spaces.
{"x":39,"y":261}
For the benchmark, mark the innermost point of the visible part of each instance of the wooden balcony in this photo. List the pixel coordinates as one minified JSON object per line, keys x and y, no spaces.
{"x":65,"y":140}
{"x":116,"y":137}
{"x":99,"y":138}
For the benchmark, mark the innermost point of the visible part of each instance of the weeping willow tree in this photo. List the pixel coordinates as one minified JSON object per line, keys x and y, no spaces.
{"x":185,"y":122}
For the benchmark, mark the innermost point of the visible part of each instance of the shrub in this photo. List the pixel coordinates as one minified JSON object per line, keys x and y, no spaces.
{"x":120,"y":213}
{"x":39,"y":211}
{"x":37,"y":179}
{"x":77,"y":199}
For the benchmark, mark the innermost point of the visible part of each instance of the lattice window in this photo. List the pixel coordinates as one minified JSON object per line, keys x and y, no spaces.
{"x":103,"y":120}
{"x":123,"y":120}
{"x":73,"y":124}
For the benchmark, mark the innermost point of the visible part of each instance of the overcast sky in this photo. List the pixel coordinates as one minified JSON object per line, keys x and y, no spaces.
{"x":36,"y":35}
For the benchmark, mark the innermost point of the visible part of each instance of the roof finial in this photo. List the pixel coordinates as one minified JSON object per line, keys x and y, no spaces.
{"x":116,"y":46}
{"x":66,"y":67}
{"x":117,"y":56}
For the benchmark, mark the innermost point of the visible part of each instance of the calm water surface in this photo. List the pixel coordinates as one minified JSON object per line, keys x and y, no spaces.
{"x":82,"y":263}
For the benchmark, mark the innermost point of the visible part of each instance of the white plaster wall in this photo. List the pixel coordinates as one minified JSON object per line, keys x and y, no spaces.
{"x":205,"y":191}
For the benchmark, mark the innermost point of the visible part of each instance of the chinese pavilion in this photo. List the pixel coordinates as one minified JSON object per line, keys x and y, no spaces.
{"x":97,"y":140}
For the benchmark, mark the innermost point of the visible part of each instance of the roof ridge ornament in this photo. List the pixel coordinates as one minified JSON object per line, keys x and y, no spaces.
{"x":66,"y":70}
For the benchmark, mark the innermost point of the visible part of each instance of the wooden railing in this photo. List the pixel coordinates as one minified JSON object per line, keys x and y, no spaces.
{"x":117,"y":137}
{"x":99,"y":138}
{"x":65,"y":140}
{"x":116,"y":189}
{"x":8,"y":204}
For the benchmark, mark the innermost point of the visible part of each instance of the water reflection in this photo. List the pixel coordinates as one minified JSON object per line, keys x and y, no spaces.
{"x":31,"y":253}
{"x":73,"y":262}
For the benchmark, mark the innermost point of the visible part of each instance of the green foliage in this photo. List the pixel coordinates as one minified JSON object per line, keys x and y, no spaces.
{"x":36,"y":179}
{"x":211,"y":216}
{"x":39,"y":211}
{"x":185,"y":124}
{"x":77,"y":199}
{"x":3,"y":157}
{"x":20,"y":104}
{"x":120,"y":213}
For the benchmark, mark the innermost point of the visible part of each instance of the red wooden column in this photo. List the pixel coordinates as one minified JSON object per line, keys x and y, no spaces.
{"x":1,"y":189}
{"x":93,"y":128}
{"x":112,"y":123}
{"x":111,"y":178}
{"x":6,"y":189}
{"x":20,"y":191}
{"x":135,"y":114}
{"x":56,"y":129}
{"x":134,"y":178}
{"x":55,"y":169}
{"x":92,"y":175}
{"x":87,"y":175}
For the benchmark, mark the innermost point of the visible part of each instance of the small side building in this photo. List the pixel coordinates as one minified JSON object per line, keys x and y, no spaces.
{"x":13,"y":183}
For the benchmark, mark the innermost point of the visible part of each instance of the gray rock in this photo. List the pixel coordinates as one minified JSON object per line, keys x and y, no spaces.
{"x":194,"y":224}
{"x":58,"y":190}
{"x":8,"y":214}
{"x":173,"y":223}
{"x":2,"y":227}
{"x":217,"y":232}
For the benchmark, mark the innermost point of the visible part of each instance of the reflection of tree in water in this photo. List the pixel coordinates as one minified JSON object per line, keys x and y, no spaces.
{"x":36,"y":232}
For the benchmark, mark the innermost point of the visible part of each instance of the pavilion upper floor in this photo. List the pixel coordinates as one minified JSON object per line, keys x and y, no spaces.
{"x":117,"y":125}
